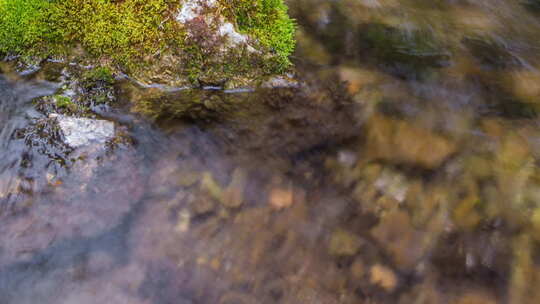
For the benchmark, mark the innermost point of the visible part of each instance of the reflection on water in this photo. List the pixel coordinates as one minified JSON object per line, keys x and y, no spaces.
{"x":404,"y":170}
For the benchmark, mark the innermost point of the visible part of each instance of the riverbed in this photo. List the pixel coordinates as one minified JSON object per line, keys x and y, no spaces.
{"x":400,"y":166}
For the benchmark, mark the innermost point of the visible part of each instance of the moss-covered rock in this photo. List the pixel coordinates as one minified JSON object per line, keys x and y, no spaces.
{"x":176,"y":43}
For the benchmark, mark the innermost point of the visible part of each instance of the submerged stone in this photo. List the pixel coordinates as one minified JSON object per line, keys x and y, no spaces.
{"x":402,"y":52}
{"x":384,"y":277}
{"x":491,"y":54}
{"x":344,"y":243}
{"x":399,"y":141}
{"x":81,"y":132}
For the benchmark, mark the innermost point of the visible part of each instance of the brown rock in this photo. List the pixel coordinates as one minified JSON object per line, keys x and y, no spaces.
{"x":210,"y":186}
{"x":358,"y":269}
{"x":400,"y":239}
{"x":384,"y":277}
{"x":402,"y":142}
{"x":203,"y":205}
{"x":281,"y":198}
{"x":233,"y":196}
{"x":357,"y":78}
{"x":344,"y":243}
{"x":478,"y":297}
{"x":188,"y":179}
{"x":525,"y":85}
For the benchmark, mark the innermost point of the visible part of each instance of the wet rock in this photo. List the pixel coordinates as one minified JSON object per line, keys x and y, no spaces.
{"x":535,"y":220}
{"x":188,"y":179}
{"x":384,"y":277}
{"x":23,"y":238}
{"x":281,"y":194}
{"x":210,"y":185}
{"x":402,"y":142}
{"x":402,"y":52}
{"x":99,"y":262}
{"x":475,"y":297}
{"x":89,"y":201}
{"x":203,"y":205}
{"x":233,"y":195}
{"x":514,"y":167}
{"x":281,"y":198}
{"x":281,"y":82}
{"x":311,"y":49}
{"x":184,"y":221}
{"x":392,"y":184}
{"x":259,"y":126}
{"x":358,"y":269}
{"x":525,"y":85}
{"x":522,"y":273}
{"x":9,"y":187}
{"x":491,"y":54}
{"x":119,"y":286}
{"x":465,"y":214}
{"x":344,"y":243}
{"x":347,"y":158}
{"x":472,"y":19}
{"x":400,"y":239}
{"x":237,"y":298}
{"x":425,"y":293}
{"x":80,"y":132}
{"x":358,"y":78}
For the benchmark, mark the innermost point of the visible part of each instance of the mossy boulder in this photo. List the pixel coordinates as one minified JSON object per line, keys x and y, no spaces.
{"x":175,"y":43}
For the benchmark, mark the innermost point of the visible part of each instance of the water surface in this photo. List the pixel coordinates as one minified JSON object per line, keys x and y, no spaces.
{"x":404,"y":169}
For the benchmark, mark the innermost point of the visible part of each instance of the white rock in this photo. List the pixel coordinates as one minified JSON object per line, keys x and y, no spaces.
{"x":192,"y":9}
{"x":81,"y":132}
{"x":347,"y":158}
{"x":227,"y":29}
{"x":393,"y":184}
{"x":281,"y":82}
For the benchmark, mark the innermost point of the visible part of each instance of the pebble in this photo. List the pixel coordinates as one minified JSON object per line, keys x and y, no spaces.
{"x":281,"y":198}
{"x":344,"y":243}
{"x":384,"y":277}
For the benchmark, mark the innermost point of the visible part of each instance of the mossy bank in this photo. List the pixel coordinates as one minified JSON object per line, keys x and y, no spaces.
{"x":172,"y":42}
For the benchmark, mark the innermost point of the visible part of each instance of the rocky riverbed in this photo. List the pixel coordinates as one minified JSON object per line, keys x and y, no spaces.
{"x":396,"y":163}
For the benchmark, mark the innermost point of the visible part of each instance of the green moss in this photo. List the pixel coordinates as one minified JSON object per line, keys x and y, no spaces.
{"x":268,"y":21}
{"x":65,"y":103}
{"x":125,"y":31}
{"x":134,"y":33}
{"x":101,"y":99}
{"x":62,"y":101}
{"x":99,"y":74}
{"x":24,"y":27}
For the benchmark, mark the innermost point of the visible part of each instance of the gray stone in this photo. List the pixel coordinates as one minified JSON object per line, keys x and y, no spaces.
{"x":81,"y":132}
{"x":192,"y":9}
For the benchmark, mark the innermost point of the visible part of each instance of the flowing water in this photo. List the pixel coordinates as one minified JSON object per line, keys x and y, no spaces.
{"x":403,"y":169}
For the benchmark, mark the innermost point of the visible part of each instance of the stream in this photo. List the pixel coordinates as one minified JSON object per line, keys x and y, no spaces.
{"x":402,"y":167}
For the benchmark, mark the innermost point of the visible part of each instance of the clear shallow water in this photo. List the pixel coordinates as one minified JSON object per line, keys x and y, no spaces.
{"x":405,"y":170}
